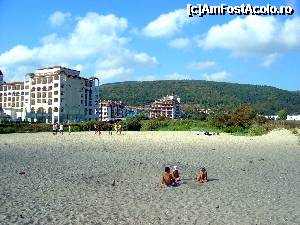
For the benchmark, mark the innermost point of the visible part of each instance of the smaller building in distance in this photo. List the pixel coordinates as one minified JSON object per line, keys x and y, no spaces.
{"x":110,"y":110}
{"x":168,"y":106}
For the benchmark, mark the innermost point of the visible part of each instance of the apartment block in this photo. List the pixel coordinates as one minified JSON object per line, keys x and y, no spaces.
{"x":168,"y":106}
{"x":110,"y":110}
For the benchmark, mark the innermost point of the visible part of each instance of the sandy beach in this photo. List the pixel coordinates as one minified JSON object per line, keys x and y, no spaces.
{"x":68,"y":180}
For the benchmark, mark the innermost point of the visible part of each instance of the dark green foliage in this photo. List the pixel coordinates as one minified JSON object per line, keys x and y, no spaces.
{"x":132,"y":124}
{"x":217,"y":95}
{"x":260,"y":119}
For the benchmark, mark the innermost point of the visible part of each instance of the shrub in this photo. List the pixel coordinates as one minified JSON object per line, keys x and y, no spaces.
{"x":132,"y":124}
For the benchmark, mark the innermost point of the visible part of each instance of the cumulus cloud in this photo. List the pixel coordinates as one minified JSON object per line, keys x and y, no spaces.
{"x":220,"y":76}
{"x":254,"y":35}
{"x":201,"y":65}
{"x":96,"y":40}
{"x":180,"y":43}
{"x":58,"y":18}
{"x":167,"y":24}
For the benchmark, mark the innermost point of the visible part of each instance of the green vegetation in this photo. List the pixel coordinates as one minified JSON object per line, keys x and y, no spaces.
{"x":201,"y":94}
{"x":242,"y":120}
{"x":282,"y":114}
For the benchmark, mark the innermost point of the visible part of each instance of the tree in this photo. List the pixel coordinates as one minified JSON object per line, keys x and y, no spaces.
{"x":282,"y":114}
{"x":243,"y":116}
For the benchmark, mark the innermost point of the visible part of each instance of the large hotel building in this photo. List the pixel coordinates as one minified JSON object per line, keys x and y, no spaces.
{"x":168,"y":106}
{"x":52,"y":94}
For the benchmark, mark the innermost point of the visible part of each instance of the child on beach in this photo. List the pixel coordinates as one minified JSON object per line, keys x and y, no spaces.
{"x":202,"y":177}
{"x":167,"y":178}
{"x":175,"y":174}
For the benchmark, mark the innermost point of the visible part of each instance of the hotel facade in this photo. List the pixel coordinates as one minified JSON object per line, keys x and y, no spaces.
{"x":52,"y":94}
{"x":168,"y":106}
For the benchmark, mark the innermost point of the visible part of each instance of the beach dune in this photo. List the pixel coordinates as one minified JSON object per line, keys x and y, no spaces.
{"x":84,"y":178}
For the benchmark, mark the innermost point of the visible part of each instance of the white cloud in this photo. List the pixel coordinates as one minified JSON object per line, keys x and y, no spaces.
{"x":201,"y":65}
{"x":254,"y":35}
{"x":270,"y":59}
{"x":167,"y":24}
{"x":180,"y":43}
{"x":96,"y":41}
{"x":107,"y":74}
{"x":58,"y":18}
{"x":220,"y":76}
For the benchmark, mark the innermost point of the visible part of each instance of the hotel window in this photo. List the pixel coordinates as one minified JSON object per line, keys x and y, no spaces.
{"x":55,"y":92}
{"x":39,"y":101}
{"x":39,"y":94}
{"x":55,"y":109}
{"x":8,"y":104}
{"x":22,"y":104}
{"x":50,"y":95}
{"x":56,"y":100}
{"x":4,"y":104}
{"x":55,"y":85}
{"x":17,"y":104}
{"x":56,"y":77}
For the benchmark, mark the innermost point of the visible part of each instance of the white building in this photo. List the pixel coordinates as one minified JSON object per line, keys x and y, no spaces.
{"x":168,"y":106}
{"x":52,"y":94}
{"x":110,"y":110}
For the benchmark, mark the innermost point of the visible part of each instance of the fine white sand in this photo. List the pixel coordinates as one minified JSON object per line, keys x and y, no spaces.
{"x":253,"y":180}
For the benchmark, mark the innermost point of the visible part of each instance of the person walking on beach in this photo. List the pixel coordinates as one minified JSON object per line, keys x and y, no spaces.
{"x":61,"y":129}
{"x":69,"y":126}
{"x":167,"y":178}
{"x":54,"y":129}
{"x":118,"y":128}
{"x":110,"y":129}
{"x":202,"y":177}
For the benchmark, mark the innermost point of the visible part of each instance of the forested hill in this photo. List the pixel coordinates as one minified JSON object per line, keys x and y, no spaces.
{"x":266,"y":99}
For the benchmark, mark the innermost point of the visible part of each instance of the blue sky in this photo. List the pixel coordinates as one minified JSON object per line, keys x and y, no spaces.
{"x":153,"y":40}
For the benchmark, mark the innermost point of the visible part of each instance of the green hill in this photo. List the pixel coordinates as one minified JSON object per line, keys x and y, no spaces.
{"x":266,"y":99}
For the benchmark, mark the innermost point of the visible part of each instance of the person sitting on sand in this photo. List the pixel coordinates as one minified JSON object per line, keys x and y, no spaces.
{"x":175,"y":174}
{"x":202,"y":177}
{"x":167,"y":178}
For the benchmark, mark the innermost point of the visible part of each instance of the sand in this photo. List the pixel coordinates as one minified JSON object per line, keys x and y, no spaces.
{"x":68,"y":180}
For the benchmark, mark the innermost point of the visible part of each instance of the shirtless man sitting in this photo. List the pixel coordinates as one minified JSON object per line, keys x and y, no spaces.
{"x":202,"y":177}
{"x":167,"y":178}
